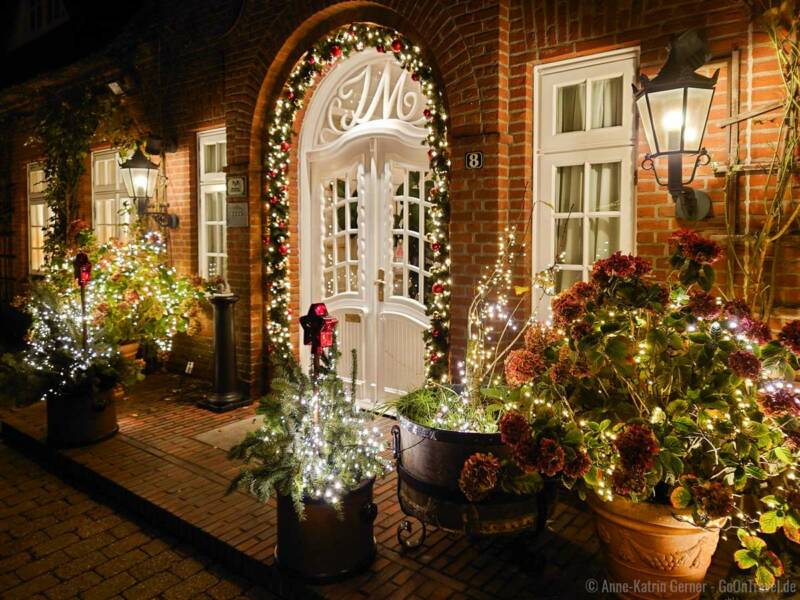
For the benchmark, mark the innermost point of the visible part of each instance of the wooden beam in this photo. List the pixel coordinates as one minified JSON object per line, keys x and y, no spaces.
{"x":749,"y":114}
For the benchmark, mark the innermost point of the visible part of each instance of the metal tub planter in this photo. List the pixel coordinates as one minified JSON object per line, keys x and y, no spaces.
{"x":324,"y":545}
{"x":429,"y":463}
{"x":81,"y":419}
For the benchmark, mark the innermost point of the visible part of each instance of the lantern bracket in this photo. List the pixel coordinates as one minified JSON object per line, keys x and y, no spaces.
{"x":648,"y":164}
{"x":690,"y":204}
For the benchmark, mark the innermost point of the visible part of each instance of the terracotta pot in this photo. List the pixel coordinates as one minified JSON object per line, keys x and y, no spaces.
{"x":129,"y":350}
{"x":650,"y":553}
{"x":325,"y":546}
{"x":81,"y":420}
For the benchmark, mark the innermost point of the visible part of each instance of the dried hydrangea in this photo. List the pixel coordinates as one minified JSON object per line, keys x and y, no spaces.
{"x":790,"y":336}
{"x":538,"y":337}
{"x":524,"y":455}
{"x":621,"y":266}
{"x":567,"y":308}
{"x":755,"y":330}
{"x":736,"y":309}
{"x":549,"y":457}
{"x":626,"y":483}
{"x":637,"y":447}
{"x":521,"y":366}
{"x":578,"y":465}
{"x":704,"y":305}
{"x":778,"y":400}
{"x":693,"y":246}
{"x":744,"y":364}
{"x":714,"y":499}
{"x":479,"y":476}
{"x":514,"y":428}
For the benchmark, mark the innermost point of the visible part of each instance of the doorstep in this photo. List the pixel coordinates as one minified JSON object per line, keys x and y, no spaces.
{"x":165,"y":466}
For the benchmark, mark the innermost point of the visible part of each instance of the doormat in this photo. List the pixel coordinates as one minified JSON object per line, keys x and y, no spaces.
{"x":227,"y":436}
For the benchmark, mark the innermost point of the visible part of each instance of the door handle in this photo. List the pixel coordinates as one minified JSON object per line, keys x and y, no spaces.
{"x":381,"y":284}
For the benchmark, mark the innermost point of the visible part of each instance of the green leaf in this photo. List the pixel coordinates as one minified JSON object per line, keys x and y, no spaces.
{"x":618,"y":349}
{"x":573,"y":437}
{"x":744,"y":559}
{"x":754,"y":543}
{"x":784,"y":455}
{"x":673,"y":444}
{"x":592,"y":477}
{"x":755,"y":472}
{"x":681,"y":497}
{"x":770,"y":521}
{"x":764,"y":579}
{"x":677,"y":407}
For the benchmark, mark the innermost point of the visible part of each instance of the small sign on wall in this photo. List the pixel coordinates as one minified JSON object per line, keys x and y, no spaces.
{"x":237,"y":214}
{"x":473,"y":160}
{"x":236,"y":186}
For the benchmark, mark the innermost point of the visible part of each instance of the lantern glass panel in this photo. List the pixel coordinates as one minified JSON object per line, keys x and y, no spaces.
{"x":667,"y":112}
{"x":647,"y":122}
{"x":698,"y":103}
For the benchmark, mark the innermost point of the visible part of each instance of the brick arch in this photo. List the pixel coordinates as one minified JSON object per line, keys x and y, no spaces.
{"x":267,"y":67}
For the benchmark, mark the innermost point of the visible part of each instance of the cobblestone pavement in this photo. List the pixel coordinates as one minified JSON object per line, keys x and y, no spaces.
{"x":57,"y":542}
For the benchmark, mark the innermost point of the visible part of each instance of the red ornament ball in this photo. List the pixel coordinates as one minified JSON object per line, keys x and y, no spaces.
{"x":435,"y":333}
{"x":415,"y":76}
{"x":430,"y":154}
{"x":397,"y":45}
{"x":437,"y":288}
{"x":336,"y":51}
{"x":434,"y":358}
{"x":285,"y":146}
{"x":274,"y":199}
{"x":380,"y":48}
{"x":272,"y":173}
{"x":436,"y":246}
{"x":283,"y":249}
{"x":290,"y":95}
{"x":311,"y":59}
{"x":427,"y":113}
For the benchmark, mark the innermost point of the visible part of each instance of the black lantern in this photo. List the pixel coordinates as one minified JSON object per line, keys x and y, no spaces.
{"x":140,"y":176}
{"x":674,"y":107}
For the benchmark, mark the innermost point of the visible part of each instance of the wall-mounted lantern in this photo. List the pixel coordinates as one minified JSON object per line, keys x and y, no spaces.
{"x":140,"y":176}
{"x":674,"y":107}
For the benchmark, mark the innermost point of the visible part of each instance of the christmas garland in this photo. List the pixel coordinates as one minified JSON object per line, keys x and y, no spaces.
{"x":277,"y":248}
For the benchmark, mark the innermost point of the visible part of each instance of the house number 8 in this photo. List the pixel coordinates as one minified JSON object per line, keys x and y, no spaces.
{"x":473,"y":160}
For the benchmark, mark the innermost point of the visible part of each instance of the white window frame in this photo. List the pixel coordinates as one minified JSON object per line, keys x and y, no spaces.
{"x":35,"y":198}
{"x":116,"y":193}
{"x":591,"y":146}
{"x":210,"y":182}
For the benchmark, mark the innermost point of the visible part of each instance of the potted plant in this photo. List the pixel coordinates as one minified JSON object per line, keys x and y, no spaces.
{"x":78,"y":368}
{"x":319,"y":455}
{"x":142,"y":298}
{"x":686,"y":411}
{"x":440,"y":426}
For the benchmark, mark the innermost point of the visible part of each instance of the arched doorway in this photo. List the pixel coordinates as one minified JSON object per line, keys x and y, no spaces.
{"x":364,"y":198}
{"x":380,"y":123}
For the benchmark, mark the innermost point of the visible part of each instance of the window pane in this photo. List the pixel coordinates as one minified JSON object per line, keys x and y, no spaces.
{"x":329,"y":291}
{"x":353,"y":278}
{"x":413,"y":285}
{"x":397,"y":281}
{"x":212,"y":207}
{"x":413,"y":251}
{"x":603,"y":237}
{"x":569,"y":189}
{"x":328,"y":251}
{"x":570,"y":108}
{"x":569,"y":241}
{"x":210,"y":159}
{"x":413,"y":216}
{"x":214,"y":240}
{"x":340,"y":218}
{"x":604,"y":187}
{"x":565,"y":279}
{"x":607,"y":103}
{"x":213,"y":266}
{"x":341,"y":282}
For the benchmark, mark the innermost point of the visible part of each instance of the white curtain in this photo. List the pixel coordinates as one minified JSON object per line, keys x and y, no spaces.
{"x":604,"y":189}
{"x":606,"y":103}
{"x":571,"y":107}
{"x":569,"y":200}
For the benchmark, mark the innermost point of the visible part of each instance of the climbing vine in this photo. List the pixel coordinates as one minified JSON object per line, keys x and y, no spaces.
{"x":276,"y":239}
{"x":65,"y":128}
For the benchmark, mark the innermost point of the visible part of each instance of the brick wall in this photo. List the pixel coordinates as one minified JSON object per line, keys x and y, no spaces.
{"x":215,"y":64}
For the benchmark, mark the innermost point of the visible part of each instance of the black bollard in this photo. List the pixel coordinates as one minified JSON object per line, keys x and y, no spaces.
{"x":226,"y":394}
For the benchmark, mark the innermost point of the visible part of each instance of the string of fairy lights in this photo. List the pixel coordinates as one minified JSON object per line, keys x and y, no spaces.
{"x":276,"y":239}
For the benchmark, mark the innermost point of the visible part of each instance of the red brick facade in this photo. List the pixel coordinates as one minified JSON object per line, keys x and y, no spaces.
{"x":220,"y":64}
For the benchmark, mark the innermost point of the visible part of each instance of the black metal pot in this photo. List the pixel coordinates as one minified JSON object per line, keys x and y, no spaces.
{"x":429,"y":463}
{"x":326,"y":546}
{"x":81,"y":420}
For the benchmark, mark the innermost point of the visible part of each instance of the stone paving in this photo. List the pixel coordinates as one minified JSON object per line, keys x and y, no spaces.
{"x":156,"y":468}
{"x":57,"y":542}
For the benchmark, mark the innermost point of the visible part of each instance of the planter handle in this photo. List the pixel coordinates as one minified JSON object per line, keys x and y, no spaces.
{"x":369,"y":512}
{"x":396,"y":442}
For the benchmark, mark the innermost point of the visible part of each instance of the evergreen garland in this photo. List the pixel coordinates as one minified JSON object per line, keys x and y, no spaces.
{"x":277,"y":249}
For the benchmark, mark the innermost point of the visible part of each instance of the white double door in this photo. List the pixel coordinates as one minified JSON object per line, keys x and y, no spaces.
{"x":368,"y":259}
